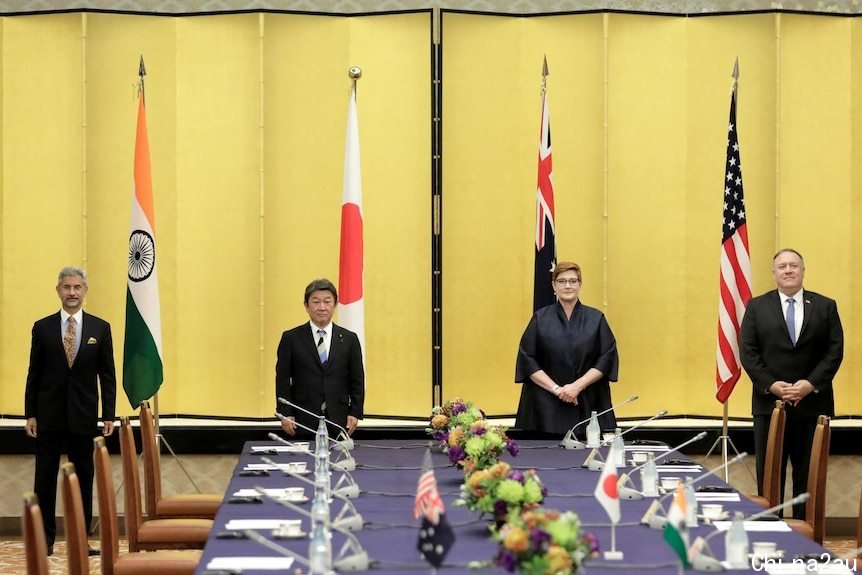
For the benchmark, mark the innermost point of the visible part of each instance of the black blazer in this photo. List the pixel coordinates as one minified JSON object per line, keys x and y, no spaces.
{"x":64,"y":398}
{"x":768,"y":355}
{"x":302,"y":379}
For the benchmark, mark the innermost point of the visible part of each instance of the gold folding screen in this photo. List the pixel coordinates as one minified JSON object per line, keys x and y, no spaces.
{"x":639,"y":107}
{"x":247,"y":116}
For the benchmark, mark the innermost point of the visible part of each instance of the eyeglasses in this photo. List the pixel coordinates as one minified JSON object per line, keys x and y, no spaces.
{"x":563,"y":281}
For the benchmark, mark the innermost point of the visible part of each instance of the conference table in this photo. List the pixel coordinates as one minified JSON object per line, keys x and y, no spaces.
{"x":387,"y":472}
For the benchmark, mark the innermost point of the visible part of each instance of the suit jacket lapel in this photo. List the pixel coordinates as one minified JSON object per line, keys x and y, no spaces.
{"x":807,"y":312}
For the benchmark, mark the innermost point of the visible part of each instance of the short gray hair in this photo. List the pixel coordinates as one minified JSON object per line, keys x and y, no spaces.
{"x":320,"y":285}
{"x":70,"y":271}
{"x":788,"y":251}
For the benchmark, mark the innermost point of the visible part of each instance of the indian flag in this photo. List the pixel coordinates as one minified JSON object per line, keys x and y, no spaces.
{"x":142,"y":351}
{"x":675,"y":532}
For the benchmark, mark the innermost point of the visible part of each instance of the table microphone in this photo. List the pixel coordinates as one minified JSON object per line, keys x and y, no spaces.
{"x":632,"y":492}
{"x":349,"y":489}
{"x":597,"y":465}
{"x":345,"y":445}
{"x":359,"y":561}
{"x":280,"y":549}
{"x":348,"y":464}
{"x":569,"y":441}
{"x":352,"y":522}
{"x":347,"y":441}
{"x":654,"y":521}
{"x":704,"y":560}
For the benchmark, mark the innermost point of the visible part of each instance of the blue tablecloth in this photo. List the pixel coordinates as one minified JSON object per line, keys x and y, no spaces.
{"x":387,"y":473}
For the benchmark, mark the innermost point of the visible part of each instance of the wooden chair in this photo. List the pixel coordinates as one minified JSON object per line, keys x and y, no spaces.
{"x":155,"y":563}
{"x":76,"y":533}
{"x":156,"y":533}
{"x":814,"y":525}
{"x":193,"y":505}
{"x":35,"y":547}
{"x":859,"y":529}
{"x":771,"y":487}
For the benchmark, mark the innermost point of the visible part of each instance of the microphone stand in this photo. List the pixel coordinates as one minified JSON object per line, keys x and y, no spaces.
{"x":348,"y":441}
{"x":340,"y":445}
{"x":702,"y":557}
{"x":593,"y":465}
{"x":281,"y":550}
{"x":654,"y":521}
{"x":631,"y":492}
{"x":351,"y":523}
{"x":348,"y":464}
{"x":359,"y":561}
{"x":569,"y":441}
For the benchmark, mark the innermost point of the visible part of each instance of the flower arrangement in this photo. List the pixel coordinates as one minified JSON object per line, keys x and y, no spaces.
{"x":479,"y":445}
{"x":500,"y":489}
{"x":543,"y":542}
{"x":453,"y":414}
{"x":464,"y":433}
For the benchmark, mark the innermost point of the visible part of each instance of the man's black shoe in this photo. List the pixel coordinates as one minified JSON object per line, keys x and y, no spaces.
{"x":92,"y":551}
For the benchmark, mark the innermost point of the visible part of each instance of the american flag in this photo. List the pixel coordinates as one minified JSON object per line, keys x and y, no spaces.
{"x":435,"y":534}
{"x":735,"y":282}
{"x":546,"y":245}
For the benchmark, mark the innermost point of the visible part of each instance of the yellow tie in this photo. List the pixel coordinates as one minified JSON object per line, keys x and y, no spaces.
{"x":69,"y":340}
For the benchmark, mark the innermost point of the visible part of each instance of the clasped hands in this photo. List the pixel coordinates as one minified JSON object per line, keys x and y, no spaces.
{"x":570,"y":392}
{"x":792,"y":393}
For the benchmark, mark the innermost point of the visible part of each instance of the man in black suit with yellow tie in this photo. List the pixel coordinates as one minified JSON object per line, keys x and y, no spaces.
{"x":791,"y":347}
{"x":71,"y":360}
{"x":319,"y":367}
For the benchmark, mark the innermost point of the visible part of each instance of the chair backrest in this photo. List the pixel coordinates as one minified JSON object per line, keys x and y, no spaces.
{"x":859,"y":529}
{"x":32,"y":528}
{"x":132,"y":483}
{"x":109,"y":535}
{"x":815,"y":508}
{"x":771,"y":487}
{"x":76,"y":534}
{"x":152,"y":469}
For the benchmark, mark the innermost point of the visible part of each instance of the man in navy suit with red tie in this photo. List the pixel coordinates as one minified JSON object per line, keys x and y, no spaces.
{"x":791,"y":347}
{"x":71,"y":361}
{"x":319,"y":367}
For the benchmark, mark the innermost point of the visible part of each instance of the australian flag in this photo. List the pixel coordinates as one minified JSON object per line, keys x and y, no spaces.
{"x":546,"y":245}
{"x":435,"y":534}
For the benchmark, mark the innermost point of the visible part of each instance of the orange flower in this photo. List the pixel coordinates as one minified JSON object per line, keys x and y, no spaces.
{"x":475,"y":480}
{"x":516,"y":540}
{"x":559,"y":560}
{"x":439,"y":421}
{"x":499,"y":469}
{"x":455,"y":436}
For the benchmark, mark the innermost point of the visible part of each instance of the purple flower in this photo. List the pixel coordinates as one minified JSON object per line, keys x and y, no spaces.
{"x":512,"y":447}
{"x":456,"y":454}
{"x":441,"y":436}
{"x":500,"y":508}
{"x":478,"y":431}
{"x":458,"y":408}
{"x":544,"y":491}
{"x":508,"y":561}
{"x":517,"y":476}
{"x":539,"y":539}
{"x":593,"y":542}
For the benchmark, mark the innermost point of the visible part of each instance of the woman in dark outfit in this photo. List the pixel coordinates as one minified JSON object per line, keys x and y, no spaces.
{"x":566,"y":361}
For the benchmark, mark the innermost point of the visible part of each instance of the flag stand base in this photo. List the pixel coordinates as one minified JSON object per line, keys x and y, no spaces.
{"x":613,"y":555}
{"x":161,"y":440}
{"x":726,"y":443}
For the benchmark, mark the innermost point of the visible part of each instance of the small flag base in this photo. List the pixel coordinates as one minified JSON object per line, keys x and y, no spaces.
{"x":613,"y":555}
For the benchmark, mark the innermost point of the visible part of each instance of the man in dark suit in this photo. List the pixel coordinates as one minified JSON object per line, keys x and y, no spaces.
{"x":791,"y":347}
{"x":71,"y":359}
{"x":319,"y":367}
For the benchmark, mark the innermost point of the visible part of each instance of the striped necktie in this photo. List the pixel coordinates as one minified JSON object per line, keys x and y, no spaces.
{"x":321,"y":346}
{"x":69,"y":340}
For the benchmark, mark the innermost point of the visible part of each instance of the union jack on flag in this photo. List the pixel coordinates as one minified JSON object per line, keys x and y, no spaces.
{"x":546,"y":244}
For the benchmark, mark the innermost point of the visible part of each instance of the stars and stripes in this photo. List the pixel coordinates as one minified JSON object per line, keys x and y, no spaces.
{"x":435,"y":534}
{"x":735,"y":283}
{"x":546,"y":244}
